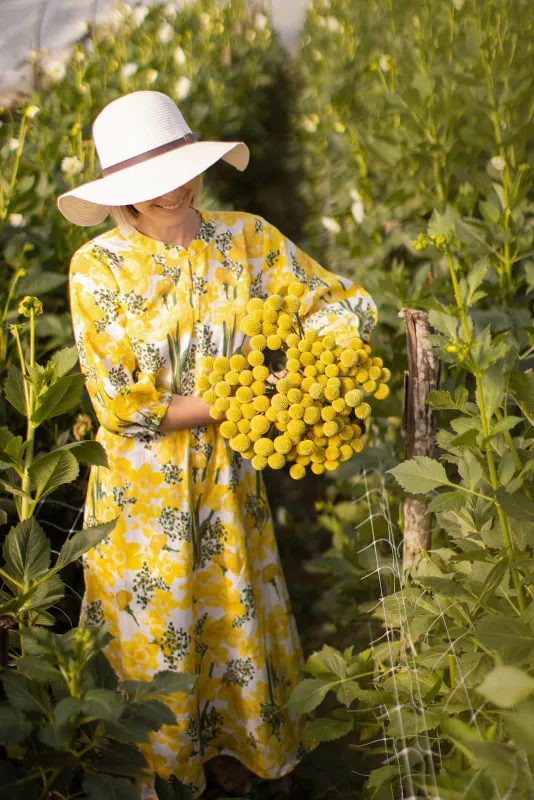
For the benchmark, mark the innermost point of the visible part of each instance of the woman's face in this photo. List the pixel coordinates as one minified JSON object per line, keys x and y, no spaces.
{"x":170,"y":207}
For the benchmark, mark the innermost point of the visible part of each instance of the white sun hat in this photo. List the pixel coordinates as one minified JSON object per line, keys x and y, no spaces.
{"x":146,"y":149}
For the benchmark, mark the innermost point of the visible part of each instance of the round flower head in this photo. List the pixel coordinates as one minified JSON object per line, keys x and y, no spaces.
{"x":221,"y":364}
{"x":354,"y":398}
{"x":306,"y":400}
{"x":261,"y":373}
{"x":329,"y":342}
{"x":259,"y":462}
{"x":222,"y":404}
{"x":243,"y":426}
{"x":268,"y":329}
{"x":238,"y":362}
{"x":305,"y":447}
{"x":209,"y":397}
{"x":317,"y":469}
{"x":228,"y":429}
{"x":296,"y":289}
{"x":215,"y":377}
{"x":234,"y":414}
{"x":296,"y":428}
{"x":246,"y":377}
{"x":250,"y":326}
{"x":331,"y":393}
{"x":261,"y":403}
{"x":258,"y":315}
{"x":285,"y":321}
{"x":349,"y":358}
{"x":244,"y":394}
{"x":356,"y":445}
{"x":207,"y":363}
{"x":330,"y":428}
{"x":374,"y":373}
{"x":255,"y":358}
{"x":291,"y":304}
{"x":258,"y":387}
{"x":297,"y":471}
{"x":385,"y":375}
{"x":270,"y":315}
{"x":312,"y":415}
{"x":317,"y":349}
{"x":346,"y":452}
{"x":318,"y":456}
{"x":304,"y":346}
{"x":292,"y":339}
{"x":316,"y":391}
{"x":202,"y":383}
{"x":275,"y":302}
{"x":294,"y":395}
{"x":331,"y":465}
{"x":271,"y":413}
{"x":363,"y":411}
{"x":279,"y":402}
{"x":308,"y":360}
{"x":240,"y":443}
{"x":346,"y":434}
{"x":294,"y":379}
{"x":258,"y":342}
{"x":216,"y":414}
{"x":264,"y":447}
{"x":293,"y":364}
{"x":248,"y":410}
{"x":283,"y":444}
{"x":283,"y":386}
{"x":327,"y":357}
{"x":304,"y":460}
{"x":328,"y":413}
{"x":332,"y":453}
{"x":382,"y":393}
{"x":274,"y":342}
{"x":232,"y":377}
{"x":223,"y":389}
{"x":276,"y":461}
{"x":256,"y":304}
{"x":339,"y":405}
{"x":296,"y":411}
{"x":260,"y":424}
{"x":370,"y":386}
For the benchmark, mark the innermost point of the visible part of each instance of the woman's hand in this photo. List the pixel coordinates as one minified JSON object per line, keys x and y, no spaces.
{"x":184,"y":412}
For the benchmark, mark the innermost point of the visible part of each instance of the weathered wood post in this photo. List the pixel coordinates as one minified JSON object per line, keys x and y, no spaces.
{"x":418,"y":424}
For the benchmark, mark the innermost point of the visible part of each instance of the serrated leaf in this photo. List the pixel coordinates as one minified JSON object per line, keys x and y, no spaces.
{"x":420,"y":475}
{"x":308,"y":694}
{"x":82,"y":541}
{"x":14,"y":727}
{"x":440,"y":399}
{"x":493,"y":390}
{"x":87,"y":452}
{"x":521,"y":387}
{"x":506,"y":686}
{"x":103,"y":704}
{"x":52,"y":470}
{"x":106,"y":787}
{"x":512,"y":639}
{"x":26,"y":551}
{"x":173,"y":789}
{"x":444,"y":323}
{"x":327,"y":729}
{"x":327,"y":661}
{"x":447,"y":501}
{"x":63,"y":395}
{"x":470,"y":470}
{"x":14,"y":390}
{"x":516,"y":505}
{"x":64,"y":360}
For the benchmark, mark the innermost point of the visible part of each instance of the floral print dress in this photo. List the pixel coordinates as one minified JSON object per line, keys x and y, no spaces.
{"x":190,"y":577}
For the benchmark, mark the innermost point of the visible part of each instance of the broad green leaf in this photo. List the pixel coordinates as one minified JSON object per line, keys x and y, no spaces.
{"x":440,"y":399}
{"x":506,"y":686}
{"x":105,"y":787}
{"x":420,"y":475}
{"x":37,"y":668}
{"x":493,"y":390}
{"x":59,"y":398}
{"x":153,"y":713}
{"x":327,"y":661}
{"x":516,"y":505}
{"x":504,"y":425}
{"x":14,"y":390}
{"x":444,"y":323}
{"x":506,"y":468}
{"x":348,"y":692}
{"x":82,"y":541}
{"x":118,"y":758}
{"x":327,"y":729}
{"x":26,"y":551}
{"x":443,"y":224}
{"x":24,"y":694}
{"x":67,"y":708}
{"x":461,"y":731}
{"x":56,"y":736}
{"x":172,"y":789}
{"x":308,"y":694}
{"x":164,"y":683}
{"x":521,"y":387}
{"x":88,"y":452}
{"x":447,"y":501}
{"x":37,"y":282}
{"x":14,"y":727}
{"x":470,"y":470}
{"x":103,"y":704}
{"x":52,"y":470}
{"x":512,"y":639}
{"x":519,"y":723}
{"x":64,"y":360}
{"x":382,"y":776}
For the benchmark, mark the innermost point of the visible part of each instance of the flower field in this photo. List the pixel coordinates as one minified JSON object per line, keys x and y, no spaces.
{"x":398,"y":150}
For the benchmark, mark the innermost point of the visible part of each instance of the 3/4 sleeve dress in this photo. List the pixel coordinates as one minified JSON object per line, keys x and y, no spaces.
{"x":190,"y":577}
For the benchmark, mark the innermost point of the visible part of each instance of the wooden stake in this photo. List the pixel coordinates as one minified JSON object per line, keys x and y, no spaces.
{"x":418,"y":424}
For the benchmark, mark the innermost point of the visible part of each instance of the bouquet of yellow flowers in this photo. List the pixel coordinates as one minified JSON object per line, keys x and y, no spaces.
{"x":311,"y":415}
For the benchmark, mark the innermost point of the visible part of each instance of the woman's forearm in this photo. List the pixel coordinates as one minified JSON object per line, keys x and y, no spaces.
{"x":185,"y":412}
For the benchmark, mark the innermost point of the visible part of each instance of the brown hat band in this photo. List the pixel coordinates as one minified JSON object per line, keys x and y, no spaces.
{"x":189,"y":138}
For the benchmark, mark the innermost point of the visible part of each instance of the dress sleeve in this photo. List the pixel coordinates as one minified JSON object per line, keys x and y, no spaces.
{"x":127,"y":401}
{"x":333,"y":304}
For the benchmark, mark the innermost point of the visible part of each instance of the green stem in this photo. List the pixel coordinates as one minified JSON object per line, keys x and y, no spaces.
{"x":10,"y":579}
{"x":27,"y":502}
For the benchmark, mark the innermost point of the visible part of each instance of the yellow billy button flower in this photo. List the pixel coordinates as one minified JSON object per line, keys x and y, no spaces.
{"x":243,"y":426}
{"x":370,"y":386}
{"x":356,"y":343}
{"x":320,"y":367}
{"x":258,"y":342}
{"x":356,"y":428}
{"x":279,"y":402}
{"x":316,"y":391}
{"x":327,"y":358}
{"x":304,"y":460}
{"x":260,"y":424}
{"x":209,"y":397}
{"x":244,"y":394}
{"x":345,"y":452}
{"x":382,"y":392}
{"x":274,"y":342}
{"x":331,"y":393}
{"x":256,"y":304}
{"x":259,"y":462}
{"x":271,"y":413}
{"x":291,"y":304}
{"x":248,"y":411}
{"x":332,"y":453}
{"x":296,"y":428}
{"x":363,"y":411}
{"x":255,"y":358}
{"x":330,"y":428}
{"x":234,"y":414}
{"x":276,"y":461}
{"x":202,"y":384}
{"x":297,"y":471}
{"x":270,"y":316}
{"x":311,"y":336}
{"x":320,"y":441}
{"x":294,"y":379}
{"x":238,"y":362}
{"x":221,"y":364}
{"x":329,"y":342}
{"x":250,"y":326}
{"x":248,"y":453}
{"x":317,"y":469}
{"x":264,"y":447}
{"x":292,"y":339}
{"x":215,"y":377}
{"x":283,"y":444}
{"x":304,"y":346}
{"x":228,"y":429}
{"x":207,"y":363}
{"x":261,"y":403}
{"x":305,"y":447}
{"x":215,"y":414}
{"x":283,"y":417}
{"x":318,"y":456}
{"x":331,"y":465}
{"x":354,"y":398}
{"x":306,"y":400}
{"x":356,"y":445}
{"x":349,"y":358}
{"x":232,"y":378}
{"x":346,"y":434}
{"x":293,"y":364}
{"x":268,"y":329}
{"x":294,"y":395}
{"x":246,"y":377}
{"x":296,"y":411}
{"x":377,"y":362}
{"x":293,"y":352}
{"x":339,"y":405}
{"x":374,"y":373}
{"x":297,"y":289}
{"x":331,"y":370}
{"x":222,"y":404}
{"x":223,"y":389}
{"x":240,"y":443}
{"x":317,"y":349}
{"x":285,"y":321}
{"x":275,"y":302}
{"x":258,"y":387}
{"x":328,"y":413}
{"x":308,"y":360}
{"x":312,"y":415}
{"x":258,"y":315}
{"x":260,"y":373}
{"x":385,"y":375}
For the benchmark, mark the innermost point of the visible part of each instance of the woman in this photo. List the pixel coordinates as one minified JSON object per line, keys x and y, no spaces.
{"x":190,"y":577}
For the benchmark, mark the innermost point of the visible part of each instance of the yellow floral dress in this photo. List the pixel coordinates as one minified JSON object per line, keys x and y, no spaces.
{"x":190,"y":577}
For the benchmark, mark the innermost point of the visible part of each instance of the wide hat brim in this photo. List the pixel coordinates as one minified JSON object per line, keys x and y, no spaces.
{"x":89,"y":204}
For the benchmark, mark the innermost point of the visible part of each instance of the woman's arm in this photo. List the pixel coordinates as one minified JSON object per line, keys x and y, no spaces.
{"x":185,"y":411}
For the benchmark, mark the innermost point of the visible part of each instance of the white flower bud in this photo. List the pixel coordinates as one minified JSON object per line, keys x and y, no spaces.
{"x":498,"y":163}
{"x":261,"y":21}
{"x":32,"y":111}
{"x":13,"y":144}
{"x":333,"y":24}
{"x":151,"y":76}
{"x":138,"y":14}
{"x":180,"y":57}
{"x":330,"y":224}
{"x":71,"y":165}
{"x":16,"y":220}
{"x":165,"y":33}
{"x":127,"y":70}
{"x":182,"y":88}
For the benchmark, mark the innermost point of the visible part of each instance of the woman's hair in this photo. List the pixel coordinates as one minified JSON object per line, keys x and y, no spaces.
{"x":125,"y":216}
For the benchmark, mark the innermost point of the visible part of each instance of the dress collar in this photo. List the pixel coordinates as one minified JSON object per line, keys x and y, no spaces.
{"x":205,"y":235}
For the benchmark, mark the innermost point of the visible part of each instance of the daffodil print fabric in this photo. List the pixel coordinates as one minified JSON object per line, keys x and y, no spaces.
{"x":190,"y":577}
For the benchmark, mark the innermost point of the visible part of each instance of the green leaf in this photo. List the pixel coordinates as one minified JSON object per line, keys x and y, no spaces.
{"x":105,"y":787}
{"x":64,"y":360}
{"x":447,"y":501}
{"x":348,"y":692}
{"x":26,"y":551}
{"x":327,"y":661}
{"x":443,"y":224}
{"x":489,"y":212}
{"x":440,"y":399}
{"x":382,"y":776}
{"x":56,"y":736}
{"x":59,"y":398}
{"x":512,"y":639}
{"x":52,"y":470}
{"x":420,"y":475}
{"x":503,"y":425}
{"x":519,"y":723}
{"x":470,"y":470}
{"x":37,"y":282}
{"x":153,"y":713}
{"x":444,"y":323}
{"x":308,"y":694}
{"x":82,"y":541}
{"x":88,"y":452}
{"x":24,"y":694}
{"x":103,"y":704}
{"x":493,"y":390}
{"x":172,"y":789}
{"x":516,"y":505}
{"x":14,"y":727}
{"x":327,"y":729}
{"x":14,"y":390}
{"x":168,"y":681}
{"x":118,"y":758}
{"x":461,"y":731}
{"x":38,"y":669}
{"x":521,"y":387}
{"x":506,"y":686}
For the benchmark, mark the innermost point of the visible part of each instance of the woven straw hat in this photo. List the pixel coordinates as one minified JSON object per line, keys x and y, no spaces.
{"x":146,"y":149}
